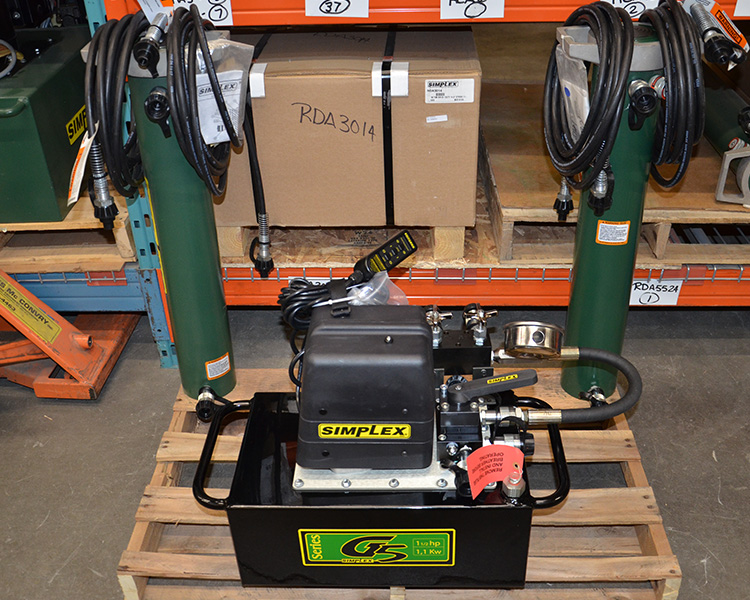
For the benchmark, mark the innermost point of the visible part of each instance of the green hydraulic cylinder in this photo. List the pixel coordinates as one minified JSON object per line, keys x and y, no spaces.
{"x":604,"y":256}
{"x":182,"y":210}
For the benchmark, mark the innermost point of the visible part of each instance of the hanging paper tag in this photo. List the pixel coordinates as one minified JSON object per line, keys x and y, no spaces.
{"x":212,"y":125}
{"x":79,"y":166}
{"x":492,"y":463}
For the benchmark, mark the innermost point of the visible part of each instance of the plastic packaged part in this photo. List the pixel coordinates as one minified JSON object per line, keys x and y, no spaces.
{"x":574,"y":81}
{"x":232,"y":62}
{"x":379,"y":290}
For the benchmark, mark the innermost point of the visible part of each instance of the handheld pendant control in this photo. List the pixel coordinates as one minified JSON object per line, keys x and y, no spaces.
{"x":390,"y":254}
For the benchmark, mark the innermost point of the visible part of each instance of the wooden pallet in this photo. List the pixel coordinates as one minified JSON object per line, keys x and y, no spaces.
{"x":440,"y":243}
{"x":77,"y":243}
{"x":343,"y":246}
{"x":525,"y":185}
{"x":606,"y":543}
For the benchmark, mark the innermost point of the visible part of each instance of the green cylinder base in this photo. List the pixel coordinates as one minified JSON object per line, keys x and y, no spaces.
{"x":182,"y":210}
{"x":603,"y":263}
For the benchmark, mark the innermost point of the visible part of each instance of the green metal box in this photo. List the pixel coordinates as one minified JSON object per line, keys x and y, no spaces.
{"x":42,"y":120}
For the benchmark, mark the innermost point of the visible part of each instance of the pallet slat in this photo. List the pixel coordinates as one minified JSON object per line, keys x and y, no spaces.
{"x":612,"y":446}
{"x":166,"y":592}
{"x":539,"y":569}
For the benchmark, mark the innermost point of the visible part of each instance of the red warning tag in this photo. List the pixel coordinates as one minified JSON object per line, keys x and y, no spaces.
{"x":492,"y":463}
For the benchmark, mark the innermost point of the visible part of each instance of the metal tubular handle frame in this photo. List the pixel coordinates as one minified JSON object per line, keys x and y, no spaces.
{"x":199,"y":490}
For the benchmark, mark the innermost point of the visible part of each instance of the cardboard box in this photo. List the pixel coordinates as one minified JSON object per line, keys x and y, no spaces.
{"x":318,"y":114}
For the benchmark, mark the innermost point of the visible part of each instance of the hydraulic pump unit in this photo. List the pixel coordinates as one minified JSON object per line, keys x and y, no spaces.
{"x":381,"y":470}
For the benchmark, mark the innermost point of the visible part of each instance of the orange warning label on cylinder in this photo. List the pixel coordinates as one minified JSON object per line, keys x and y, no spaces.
{"x":612,"y":233}
{"x":217,"y":368}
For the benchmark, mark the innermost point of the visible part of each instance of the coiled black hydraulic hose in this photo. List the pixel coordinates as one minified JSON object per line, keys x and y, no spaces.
{"x":682,"y":118}
{"x":580,"y":160}
{"x":558,"y":455}
{"x":607,"y":411}
{"x":209,"y":162}
{"x":106,"y":71}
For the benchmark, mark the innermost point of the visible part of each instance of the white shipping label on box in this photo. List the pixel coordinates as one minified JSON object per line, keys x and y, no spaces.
{"x":652,"y":292}
{"x":219,"y":12}
{"x":634,"y":7}
{"x":449,"y":91}
{"x":356,"y":9}
{"x":212,"y":125}
{"x":472,"y":9}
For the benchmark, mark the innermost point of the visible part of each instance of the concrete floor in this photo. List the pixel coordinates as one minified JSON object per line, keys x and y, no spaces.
{"x":73,"y":472}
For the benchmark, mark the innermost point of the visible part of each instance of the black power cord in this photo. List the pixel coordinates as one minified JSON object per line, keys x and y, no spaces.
{"x":298,"y":299}
{"x":106,"y":72}
{"x":683,"y":113}
{"x":581,"y":160}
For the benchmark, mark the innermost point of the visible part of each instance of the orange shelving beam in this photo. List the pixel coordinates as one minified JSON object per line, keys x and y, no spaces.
{"x":720,"y":287}
{"x":292,"y":12}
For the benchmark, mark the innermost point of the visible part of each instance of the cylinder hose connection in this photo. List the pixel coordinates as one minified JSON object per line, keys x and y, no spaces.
{"x":534,"y":340}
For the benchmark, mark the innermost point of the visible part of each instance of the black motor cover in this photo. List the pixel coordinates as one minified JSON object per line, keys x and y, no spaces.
{"x":367,"y":398}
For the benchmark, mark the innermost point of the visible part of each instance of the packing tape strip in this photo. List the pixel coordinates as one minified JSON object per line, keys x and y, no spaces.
{"x":386,"y":96}
{"x":258,"y":80}
{"x":399,"y":79}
